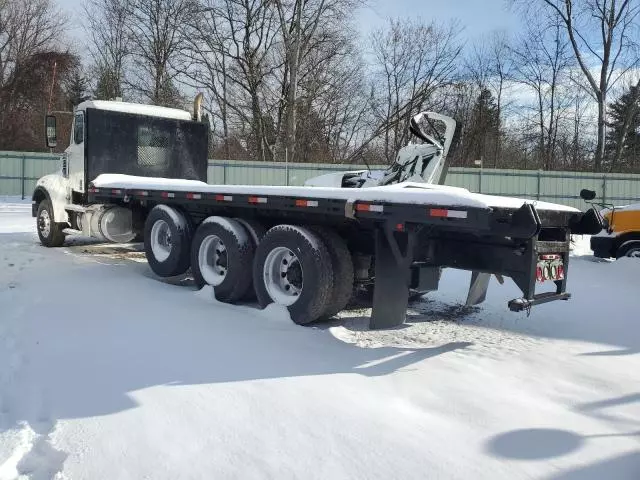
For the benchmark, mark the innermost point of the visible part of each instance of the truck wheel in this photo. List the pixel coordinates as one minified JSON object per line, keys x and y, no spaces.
{"x":50,"y":232}
{"x":292,"y":267}
{"x":167,"y":241}
{"x":222,"y":256}
{"x":629,"y":249}
{"x":342,"y":265}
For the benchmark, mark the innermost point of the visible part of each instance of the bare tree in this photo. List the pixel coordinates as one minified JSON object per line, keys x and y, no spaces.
{"x":157,"y":34}
{"x":300,"y":22}
{"x":109,"y":33}
{"x":542,"y":62}
{"x":604,"y":30}
{"x":332,"y":101}
{"x":490,"y":66}
{"x":31,"y":34}
{"x":412,"y":60}
{"x":232,"y":49}
{"x":27,"y":27}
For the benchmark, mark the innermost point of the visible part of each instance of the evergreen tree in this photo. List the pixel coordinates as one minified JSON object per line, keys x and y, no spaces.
{"x":623,"y":137}
{"x":168,"y":95}
{"x":76,"y":89}
{"x":108,"y":85}
{"x":481,"y":138}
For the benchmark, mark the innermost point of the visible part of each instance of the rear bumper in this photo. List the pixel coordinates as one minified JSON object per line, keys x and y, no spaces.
{"x":603,"y":247}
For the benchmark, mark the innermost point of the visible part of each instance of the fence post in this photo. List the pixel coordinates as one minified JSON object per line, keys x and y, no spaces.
{"x":224,"y":173}
{"x":22,"y":176}
{"x":539,"y":180}
{"x":480,"y":181}
{"x":604,"y":189}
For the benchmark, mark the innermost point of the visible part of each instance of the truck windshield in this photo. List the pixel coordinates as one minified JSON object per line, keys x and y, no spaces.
{"x":145,"y":146}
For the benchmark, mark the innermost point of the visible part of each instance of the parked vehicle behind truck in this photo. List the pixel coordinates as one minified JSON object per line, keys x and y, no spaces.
{"x":621,"y":236}
{"x":138,"y":171}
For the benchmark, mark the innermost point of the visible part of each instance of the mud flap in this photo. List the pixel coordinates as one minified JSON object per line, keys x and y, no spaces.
{"x":392,"y":278}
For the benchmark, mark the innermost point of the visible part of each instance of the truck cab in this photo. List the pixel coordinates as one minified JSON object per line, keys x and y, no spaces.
{"x":121,"y":138}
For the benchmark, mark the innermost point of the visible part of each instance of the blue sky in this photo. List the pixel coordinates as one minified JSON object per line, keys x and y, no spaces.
{"x":477,"y":16}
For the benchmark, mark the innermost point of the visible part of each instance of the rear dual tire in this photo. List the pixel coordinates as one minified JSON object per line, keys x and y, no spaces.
{"x":293,"y":267}
{"x":222,"y":256}
{"x":307,"y":270}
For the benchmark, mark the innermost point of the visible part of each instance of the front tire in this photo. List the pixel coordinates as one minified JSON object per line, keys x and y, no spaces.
{"x":293,"y":268}
{"x":167,"y":241}
{"x":49,"y":232}
{"x":629,"y":249}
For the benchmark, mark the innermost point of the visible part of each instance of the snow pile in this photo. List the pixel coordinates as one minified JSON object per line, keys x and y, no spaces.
{"x":137,"y":109}
{"x":273,"y":312}
{"x":109,"y":372}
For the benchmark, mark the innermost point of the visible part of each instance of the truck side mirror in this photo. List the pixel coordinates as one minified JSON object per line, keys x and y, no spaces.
{"x":587,"y":195}
{"x":50,"y":131}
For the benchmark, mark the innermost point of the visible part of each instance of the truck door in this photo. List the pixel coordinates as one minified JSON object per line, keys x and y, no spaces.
{"x":75,"y":153}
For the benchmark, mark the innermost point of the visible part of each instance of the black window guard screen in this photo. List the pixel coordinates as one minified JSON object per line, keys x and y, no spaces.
{"x":145,"y":146}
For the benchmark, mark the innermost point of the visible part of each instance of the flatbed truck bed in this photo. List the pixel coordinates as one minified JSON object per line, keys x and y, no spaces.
{"x":409,"y":231}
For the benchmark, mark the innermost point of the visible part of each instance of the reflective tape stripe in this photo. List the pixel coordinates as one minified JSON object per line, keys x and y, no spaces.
{"x":446,"y":213}
{"x":224,"y":198}
{"x":116,"y":191}
{"x":367,"y":207}
{"x":257,"y":200}
{"x":456,"y":214}
{"x":168,"y":195}
{"x":194,"y":196}
{"x":306,"y":203}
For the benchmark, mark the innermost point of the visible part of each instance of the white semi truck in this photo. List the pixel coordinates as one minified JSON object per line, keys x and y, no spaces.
{"x":136,"y":172}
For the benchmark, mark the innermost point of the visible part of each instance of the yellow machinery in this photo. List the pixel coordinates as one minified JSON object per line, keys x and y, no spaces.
{"x":621,"y":238}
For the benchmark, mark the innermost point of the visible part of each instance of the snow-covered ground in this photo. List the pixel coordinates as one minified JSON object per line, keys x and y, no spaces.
{"x":107,"y":372}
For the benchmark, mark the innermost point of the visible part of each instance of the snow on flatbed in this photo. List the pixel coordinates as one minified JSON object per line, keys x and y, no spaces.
{"x":107,"y":372}
{"x":408,"y":192}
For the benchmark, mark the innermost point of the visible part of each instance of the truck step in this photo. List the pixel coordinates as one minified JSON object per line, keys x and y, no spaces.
{"x":75,"y":208}
{"x":520,"y":304}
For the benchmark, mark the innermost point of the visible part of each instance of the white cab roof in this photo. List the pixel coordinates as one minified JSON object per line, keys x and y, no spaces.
{"x":136,"y":108}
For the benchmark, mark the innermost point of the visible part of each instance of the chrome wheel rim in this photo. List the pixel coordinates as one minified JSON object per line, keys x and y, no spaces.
{"x":283,"y":276}
{"x":44,"y":223}
{"x":161,"y":240}
{"x":213,"y":260}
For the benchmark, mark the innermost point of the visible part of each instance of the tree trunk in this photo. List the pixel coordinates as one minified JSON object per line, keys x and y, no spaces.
{"x":599,"y":156}
{"x":293,"y":47}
